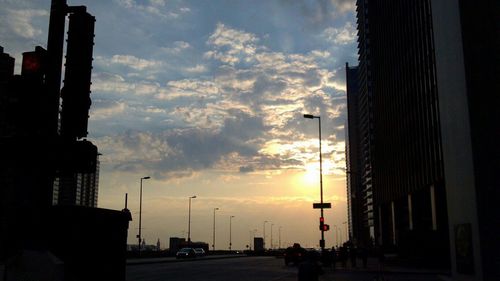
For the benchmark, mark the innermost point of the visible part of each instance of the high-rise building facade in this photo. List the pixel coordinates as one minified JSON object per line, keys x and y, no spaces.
{"x":358,"y":161}
{"x":425,"y":67}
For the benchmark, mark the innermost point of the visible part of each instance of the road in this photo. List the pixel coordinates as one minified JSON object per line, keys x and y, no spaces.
{"x":259,"y":269}
{"x":241,"y":269}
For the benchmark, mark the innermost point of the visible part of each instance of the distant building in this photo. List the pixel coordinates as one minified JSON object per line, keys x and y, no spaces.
{"x":79,"y":187}
{"x":428,"y":78}
{"x":175,"y":244}
{"x":258,"y":244}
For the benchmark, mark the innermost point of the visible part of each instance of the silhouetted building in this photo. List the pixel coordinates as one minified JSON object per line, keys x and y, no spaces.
{"x":6,"y":67}
{"x":429,"y":67}
{"x":175,"y":244}
{"x":358,"y":161}
{"x":258,"y":244}
{"x":6,"y":73}
{"x":79,"y":189}
{"x":41,"y":166}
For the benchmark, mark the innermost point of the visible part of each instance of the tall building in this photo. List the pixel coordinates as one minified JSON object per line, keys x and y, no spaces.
{"x":358,"y":161}
{"x":78,"y":182}
{"x":426,"y":73}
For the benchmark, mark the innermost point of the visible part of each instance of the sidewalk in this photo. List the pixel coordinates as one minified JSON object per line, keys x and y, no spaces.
{"x":374,"y":268}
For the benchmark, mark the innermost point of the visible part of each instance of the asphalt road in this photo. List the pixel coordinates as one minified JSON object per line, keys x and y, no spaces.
{"x":240,"y":269}
{"x":259,"y":269}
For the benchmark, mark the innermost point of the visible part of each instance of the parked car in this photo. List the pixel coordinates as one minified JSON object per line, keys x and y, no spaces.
{"x":199,"y":252}
{"x":186,"y":253}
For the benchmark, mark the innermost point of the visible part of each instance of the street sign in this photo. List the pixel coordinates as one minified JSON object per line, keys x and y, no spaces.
{"x":322,"y":206}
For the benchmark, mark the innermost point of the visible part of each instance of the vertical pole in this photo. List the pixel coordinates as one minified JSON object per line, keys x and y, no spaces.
{"x":189,"y":222}
{"x":279,"y":237}
{"x":264,"y":236}
{"x":272,"y":224}
{"x":213,"y":244}
{"x":321,"y":184}
{"x":230,"y":238}
{"x":140,"y":218}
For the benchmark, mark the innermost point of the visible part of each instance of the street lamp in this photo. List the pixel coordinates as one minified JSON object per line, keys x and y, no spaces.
{"x":140,"y":214}
{"x":264,"y":238}
{"x":310,"y":116}
{"x":279,"y":237}
{"x":347,"y":238}
{"x":336,"y":235}
{"x":213,"y":244}
{"x":230,"y":241}
{"x":189,"y":219}
{"x":272,"y":235}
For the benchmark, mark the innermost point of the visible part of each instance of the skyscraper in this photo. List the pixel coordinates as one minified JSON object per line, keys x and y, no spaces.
{"x":425,"y":67}
{"x":358,"y":160}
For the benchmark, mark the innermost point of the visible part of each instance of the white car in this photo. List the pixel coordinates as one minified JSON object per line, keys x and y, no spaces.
{"x":199,"y":252}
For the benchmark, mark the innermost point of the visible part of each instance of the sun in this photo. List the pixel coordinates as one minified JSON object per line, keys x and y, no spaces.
{"x":311,"y":174}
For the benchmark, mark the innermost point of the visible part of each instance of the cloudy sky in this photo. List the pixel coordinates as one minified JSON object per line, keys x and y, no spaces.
{"x":207,"y":98}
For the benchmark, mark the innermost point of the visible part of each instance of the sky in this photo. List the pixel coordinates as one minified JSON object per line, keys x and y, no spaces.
{"x":207,"y":98}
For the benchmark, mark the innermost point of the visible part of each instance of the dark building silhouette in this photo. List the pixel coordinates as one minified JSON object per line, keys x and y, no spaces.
{"x":175,"y":244}
{"x":77,"y":181}
{"x":258,"y":244}
{"x":49,"y":175}
{"x":430,"y":69}
{"x":358,"y":161}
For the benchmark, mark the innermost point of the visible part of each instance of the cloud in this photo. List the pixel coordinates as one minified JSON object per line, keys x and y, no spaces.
{"x":246,"y":118}
{"x":176,"y":48}
{"x":344,"y":6}
{"x":341,"y":36}
{"x":20,"y":22}
{"x":246,"y":169}
{"x":176,"y":151}
{"x":156,"y":8}
{"x":196,"y":69}
{"x":231,"y":45}
{"x":114,"y":83}
{"x":134,"y":62}
{"x":103,"y":109}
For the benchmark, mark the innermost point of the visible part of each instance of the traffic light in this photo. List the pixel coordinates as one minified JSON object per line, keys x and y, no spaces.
{"x":77,"y":78}
{"x":35,"y":64}
{"x":27,"y":101}
{"x":322,"y":225}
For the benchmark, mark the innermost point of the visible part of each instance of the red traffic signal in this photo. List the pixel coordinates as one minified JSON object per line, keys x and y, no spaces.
{"x":321,"y":223}
{"x":326,"y":227}
{"x":34,"y":62}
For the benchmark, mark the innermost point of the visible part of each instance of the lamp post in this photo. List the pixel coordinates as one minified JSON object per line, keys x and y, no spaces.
{"x":230,"y":241}
{"x":140,"y":214}
{"x":272,"y":224}
{"x":189,"y":219}
{"x":264,"y":235}
{"x":279,"y":237}
{"x":310,"y":116}
{"x":213,"y":242}
{"x":347,"y":238}
{"x":336,"y":235}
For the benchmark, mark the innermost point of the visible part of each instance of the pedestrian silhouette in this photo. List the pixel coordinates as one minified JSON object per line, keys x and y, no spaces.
{"x":363,"y":252}
{"x":333,"y":258}
{"x":309,"y":269}
{"x":352,"y":256}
